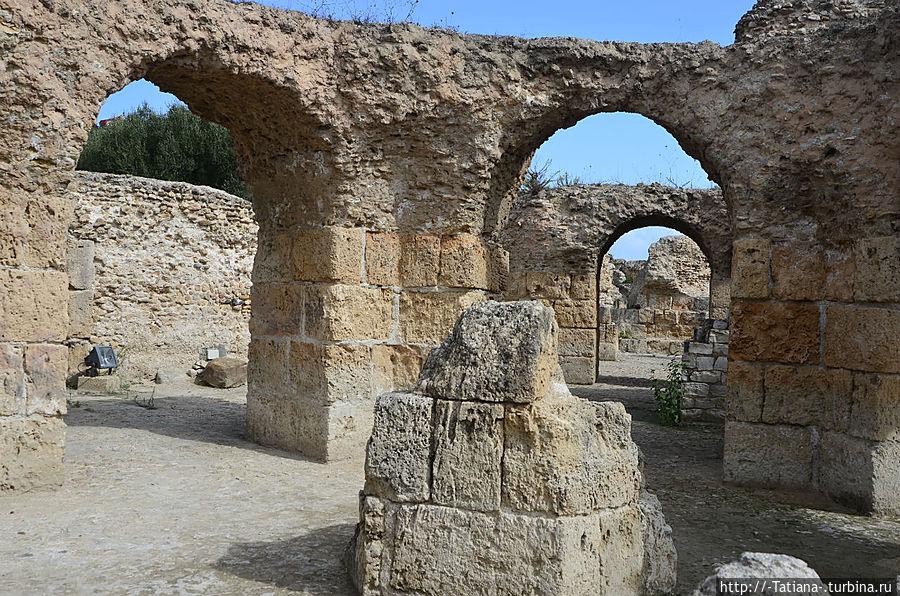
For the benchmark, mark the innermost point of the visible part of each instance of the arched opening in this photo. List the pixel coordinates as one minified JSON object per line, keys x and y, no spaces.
{"x":159,"y":257}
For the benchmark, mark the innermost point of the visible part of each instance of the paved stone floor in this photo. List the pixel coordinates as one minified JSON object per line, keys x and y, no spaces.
{"x":173,"y":500}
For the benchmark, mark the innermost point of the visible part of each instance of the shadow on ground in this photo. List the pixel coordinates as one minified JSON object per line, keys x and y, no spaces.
{"x":311,"y":563}
{"x":195,"y":414}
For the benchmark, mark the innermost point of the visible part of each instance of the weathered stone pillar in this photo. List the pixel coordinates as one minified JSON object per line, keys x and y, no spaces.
{"x":813,"y":377}
{"x":492,"y":474}
{"x":341,"y":315}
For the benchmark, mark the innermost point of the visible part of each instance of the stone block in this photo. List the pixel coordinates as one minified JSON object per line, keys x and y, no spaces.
{"x":468,"y":450}
{"x":645,"y":316}
{"x":382,"y":259}
{"x":608,"y":352}
{"x":328,"y":373}
{"x":342,"y":312}
{"x":12,"y":380}
{"x":604,"y":315}
{"x":45,"y":379}
{"x":634,"y":346}
{"x":31,"y":450}
{"x":569,"y":457}
{"x":705,"y":377}
{"x":750,"y":268}
{"x":497,"y":352}
{"x":660,"y":559}
{"x":576,"y":313}
{"x":439,"y":550}
{"x":427,"y":317}
{"x":289,"y":422}
{"x":80,"y":265}
{"x":394,"y":367}
{"x":583,"y":287}
{"x":553,"y":286}
{"x":81,"y":314}
{"x":717,"y":336}
{"x":48,"y":216}
{"x":862,"y":338}
{"x":328,"y":254}
{"x":277,"y":309}
{"x":13,"y":227}
{"x":517,"y":285}
{"x":420,"y":256}
{"x":875,"y":413}
{"x":224,"y":373}
{"x":169,"y":376}
{"x":705,"y":362}
{"x":696,"y":389}
{"x":464,"y":262}
{"x":398,"y":455}
{"x":863,"y":474}
{"x":267,"y":367}
{"x":745,"y":573}
{"x":577,"y":342}
{"x":364,"y":555}
{"x":100,"y":384}
{"x":775,"y":332}
{"x":696,"y":347}
{"x":34,"y":305}
{"x":274,"y":260}
{"x":807,"y":396}
{"x":766,"y":455}
{"x":578,"y":370}
{"x":745,"y":391}
{"x":877,"y":273}
{"x":721,"y":364}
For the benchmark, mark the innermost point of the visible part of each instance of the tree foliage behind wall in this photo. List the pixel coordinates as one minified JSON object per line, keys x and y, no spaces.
{"x":177,"y":146}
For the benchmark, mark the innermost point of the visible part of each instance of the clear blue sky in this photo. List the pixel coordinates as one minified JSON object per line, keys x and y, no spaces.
{"x":621,"y":148}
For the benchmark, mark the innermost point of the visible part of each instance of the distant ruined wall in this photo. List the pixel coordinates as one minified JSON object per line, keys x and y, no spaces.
{"x":171,"y":271}
{"x":667,"y":297}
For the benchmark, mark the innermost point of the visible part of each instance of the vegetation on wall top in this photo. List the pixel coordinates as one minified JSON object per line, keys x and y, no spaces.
{"x":176,"y":146}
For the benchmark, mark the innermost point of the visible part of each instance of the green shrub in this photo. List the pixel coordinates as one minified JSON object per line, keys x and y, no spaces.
{"x":177,"y":146}
{"x":669,"y":392}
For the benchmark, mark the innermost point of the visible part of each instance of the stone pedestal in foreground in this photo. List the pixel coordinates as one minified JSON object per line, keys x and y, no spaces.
{"x":492,"y":478}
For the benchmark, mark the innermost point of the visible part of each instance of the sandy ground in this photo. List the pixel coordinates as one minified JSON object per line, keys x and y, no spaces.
{"x":173,"y":500}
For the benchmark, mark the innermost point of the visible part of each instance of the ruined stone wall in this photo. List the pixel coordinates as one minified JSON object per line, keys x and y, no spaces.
{"x":705,"y":377}
{"x":402,"y":130}
{"x":158,"y":270}
{"x":667,"y":298}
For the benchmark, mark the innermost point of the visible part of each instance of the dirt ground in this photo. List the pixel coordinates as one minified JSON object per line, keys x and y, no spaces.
{"x":173,"y":500}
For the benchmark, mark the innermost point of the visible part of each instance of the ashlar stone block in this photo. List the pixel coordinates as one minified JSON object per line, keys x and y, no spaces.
{"x":398,"y":455}
{"x":345,"y":312}
{"x":468,"y":450}
{"x":328,"y":254}
{"x":464,"y":262}
{"x":569,"y":457}
{"x":442,"y":550}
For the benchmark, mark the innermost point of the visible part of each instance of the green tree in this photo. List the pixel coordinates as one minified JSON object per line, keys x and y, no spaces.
{"x":177,"y":146}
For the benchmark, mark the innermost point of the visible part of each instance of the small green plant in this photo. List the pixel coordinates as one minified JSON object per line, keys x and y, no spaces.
{"x":625,"y":334}
{"x":668,"y":393}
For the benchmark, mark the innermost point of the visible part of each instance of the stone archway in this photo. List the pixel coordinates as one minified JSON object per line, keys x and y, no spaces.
{"x":559,"y":235}
{"x":396,"y":146}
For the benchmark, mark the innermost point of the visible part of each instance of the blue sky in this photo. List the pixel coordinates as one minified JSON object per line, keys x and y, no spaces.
{"x":615,"y":148}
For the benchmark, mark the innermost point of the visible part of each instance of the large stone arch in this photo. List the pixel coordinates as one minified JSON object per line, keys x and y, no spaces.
{"x":563,"y":233}
{"x":420,"y":135}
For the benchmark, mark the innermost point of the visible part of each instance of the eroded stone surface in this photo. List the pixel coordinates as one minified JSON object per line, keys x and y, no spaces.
{"x":529,"y":491}
{"x":497,"y":352}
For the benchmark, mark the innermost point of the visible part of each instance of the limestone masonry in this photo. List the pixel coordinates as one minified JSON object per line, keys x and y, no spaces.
{"x":492,"y":474}
{"x":385,"y":163}
{"x":158,"y":270}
